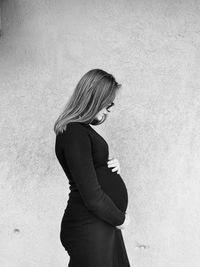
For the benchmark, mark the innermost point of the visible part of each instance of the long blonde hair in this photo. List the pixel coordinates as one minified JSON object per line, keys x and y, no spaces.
{"x":95,"y":91}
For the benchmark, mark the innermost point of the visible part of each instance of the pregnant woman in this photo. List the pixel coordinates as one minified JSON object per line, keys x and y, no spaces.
{"x":96,"y":210}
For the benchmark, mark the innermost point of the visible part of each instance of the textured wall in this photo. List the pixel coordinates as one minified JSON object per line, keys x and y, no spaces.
{"x":153,"y":49}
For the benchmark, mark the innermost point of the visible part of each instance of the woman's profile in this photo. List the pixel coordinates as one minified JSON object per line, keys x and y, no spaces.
{"x":96,"y":210}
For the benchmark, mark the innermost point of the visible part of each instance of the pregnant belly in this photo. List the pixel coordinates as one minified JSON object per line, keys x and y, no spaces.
{"x":114,"y":186}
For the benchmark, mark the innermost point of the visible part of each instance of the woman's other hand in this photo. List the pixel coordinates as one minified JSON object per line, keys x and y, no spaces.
{"x":125,"y":223}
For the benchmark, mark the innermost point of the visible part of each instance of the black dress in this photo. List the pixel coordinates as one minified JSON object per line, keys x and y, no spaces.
{"x":97,"y":200}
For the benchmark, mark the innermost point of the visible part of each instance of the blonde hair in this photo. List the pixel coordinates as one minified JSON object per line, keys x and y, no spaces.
{"x":95,"y":91}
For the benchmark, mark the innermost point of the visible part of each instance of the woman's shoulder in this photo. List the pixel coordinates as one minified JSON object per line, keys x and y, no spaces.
{"x":76,"y":128}
{"x":75,"y":132}
{"x":76,"y":125}
{"x":73,"y":129}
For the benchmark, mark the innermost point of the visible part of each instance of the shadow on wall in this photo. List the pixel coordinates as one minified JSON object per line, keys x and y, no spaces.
{"x":9,"y":16}
{"x":0,"y":18}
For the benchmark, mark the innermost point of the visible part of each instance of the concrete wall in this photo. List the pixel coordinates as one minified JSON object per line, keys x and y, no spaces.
{"x":153,"y":48}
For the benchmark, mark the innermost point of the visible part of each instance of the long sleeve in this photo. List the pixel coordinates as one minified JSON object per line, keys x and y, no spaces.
{"x":78,"y":155}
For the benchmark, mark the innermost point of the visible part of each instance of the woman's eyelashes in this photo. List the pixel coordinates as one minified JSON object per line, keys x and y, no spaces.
{"x":112,"y":104}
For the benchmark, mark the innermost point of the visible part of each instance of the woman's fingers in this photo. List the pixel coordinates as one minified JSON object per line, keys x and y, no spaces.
{"x":115,"y":169}
{"x":114,"y":164}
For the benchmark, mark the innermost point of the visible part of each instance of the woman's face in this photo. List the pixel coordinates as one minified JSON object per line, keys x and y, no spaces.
{"x":104,"y":111}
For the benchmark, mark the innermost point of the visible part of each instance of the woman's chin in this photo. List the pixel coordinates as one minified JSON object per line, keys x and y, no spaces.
{"x":98,"y":120}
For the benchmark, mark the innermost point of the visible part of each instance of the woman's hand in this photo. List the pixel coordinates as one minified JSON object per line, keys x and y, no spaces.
{"x":114,"y":163}
{"x":125,"y":223}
